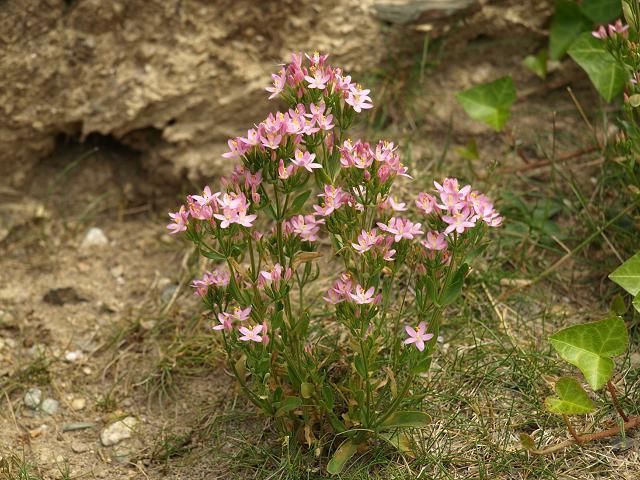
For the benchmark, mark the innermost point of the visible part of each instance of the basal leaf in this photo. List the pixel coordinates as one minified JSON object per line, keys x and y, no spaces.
{"x":627,"y":275}
{"x":604,"y":72}
{"x":567,"y":24}
{"x":407,"y":420}
{"x":590,"y":347}
{"x":537,"y":63}
{"x":490,"y":102}
{"x":341,"y":457}
{"x":288,"y":404}
{"x":601,"y":11}
{"x":398,"y":440}
{"x":527,"y":441}
{"x":571,"y":399}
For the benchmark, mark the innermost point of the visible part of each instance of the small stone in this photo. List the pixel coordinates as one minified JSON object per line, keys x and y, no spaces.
{"x":79,"y":447}
{"x":87,"y":371}
{"x":50,"y":406}
{"x":95,"y":237}
{"x":62,"y":296}
{"x":118,"y":431}
{"x":33,"y":397}
{"x":73,"y":356}
{"x":36,"y":432}
{"x":78,"y":404}
{"x":117,"y":271}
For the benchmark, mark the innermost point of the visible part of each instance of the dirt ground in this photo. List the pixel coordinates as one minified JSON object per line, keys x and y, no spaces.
{"x":99,"y":327}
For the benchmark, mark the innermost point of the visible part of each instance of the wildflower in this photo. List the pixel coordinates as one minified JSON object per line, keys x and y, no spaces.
{"x":435,"y":241}
{"x":217,"y":278}
{"x":397,"y":206}
{"x":225,"y":322}
{"x":319,"y":79}
{"x":240,"y":314}
{"x":284,"y":173}
{"x":366,"y":240}
{"x":334,"y":198}
{"x":362,"y":297}
{"x":306,"y":226}
{"x":419,"y":337}
{"x":251,"y":334}
{"x":426,"y":203}
{"x":305,"y":160}
{"x":401,"y":228}
{"x":179,"y":222}
{"x":278,"y":84}
{"x":459,"y":221}
{"x":358,"y":98}
{"x":207,"y":198}
{"x":274,"y":276}
{"x":236,"y":148}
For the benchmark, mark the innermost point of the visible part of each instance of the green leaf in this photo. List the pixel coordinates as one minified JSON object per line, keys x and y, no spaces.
{"x":453,"y":289}
{"x":601,"y":11}
{"x":306,"y":390}
{"x":567,"y":24}
{"x":537,"y":63}
{"x":398,"y":440}
{"x":590,"y":347}
{"x":213,"y":255}
{"x":288,"y":404}
{"x":636,"y":302}
{"x":407,"y":420}
{"x":617,"y":306}
{"x":604,"y":72}
{"x":489,"y":102}
{"x":627,"y":275}
{"x":298,"y":203}
{"x":527,"y":441}
{"x":571,"y":399}
{"x":341,"y":457}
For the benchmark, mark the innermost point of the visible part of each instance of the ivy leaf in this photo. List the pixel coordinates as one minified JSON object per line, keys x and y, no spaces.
{"x":406,"y":419}
{"x":604,"y":72}
{"x":341,"y":457}
{"x":601,"y":11}
{"x":636,"y":302}
{"x":490,"y":102}
{"x":571,"y":399}
{"x":627,"y":275}
{"x":590,"y":347}
{"x":537,"y":63}
{"x":567,"y":24}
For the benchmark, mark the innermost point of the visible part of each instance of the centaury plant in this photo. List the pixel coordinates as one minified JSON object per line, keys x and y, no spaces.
{"x":344,"y":364}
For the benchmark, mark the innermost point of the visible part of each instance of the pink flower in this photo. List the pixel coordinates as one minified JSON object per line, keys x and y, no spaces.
{"x":319,"y":79}
{"x":207,"y":198}
{"x":600,"y":33}
{"x":435,"y":241}
{"x":240,"y":314}
{"x":284,"y":173}
{"x":401,"y":228}
{"x":217,"y":278}
{"x":426,"y":203}
{"x":274,"y":276}
{"x":419,"y":337}
{"x":251,"y":334}
{"x":236,"y":148}
{"x":397,"y":206}
{"x":225,"y":322}
{"x":305,"y":160}
{"x":359,"y":98}
{"x":180,"y":219}
{"x":617,"y":28}
{"x":278,"y":84}
{"x":306,"y":226}
{"x":362,"y":297}
{"x":459,"y":221}
{"x":334,"y":198}
{"x":340,"y":290}
{"x":366,"y":240}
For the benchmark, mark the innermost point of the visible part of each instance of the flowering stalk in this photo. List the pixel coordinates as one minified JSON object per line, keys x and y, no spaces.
{"x":264,"y":227}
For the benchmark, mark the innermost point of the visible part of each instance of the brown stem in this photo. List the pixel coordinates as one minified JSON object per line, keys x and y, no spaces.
{"x":616,"y":403}
{"x":629,"y":425}
{"x":572,"y":431}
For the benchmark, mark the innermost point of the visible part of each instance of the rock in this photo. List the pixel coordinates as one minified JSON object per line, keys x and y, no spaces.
{"x":118,"y":431}
{"x":36,"y":432}
{"x":33,"y":397}
{"x":50,"y":406}
{"x":78,"y":404}
{"x":73,"y":356}
{"x":62,"y":296}
{"x":407,"y":11}
{"x":79,"y":447}
{"x":95,"y":237}
{"x":167,"y":293}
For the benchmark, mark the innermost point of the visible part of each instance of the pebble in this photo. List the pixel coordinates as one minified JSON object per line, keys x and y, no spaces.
{"x":73,"y":356}
{"x":33,"y":397}
{"x":72,"y":427}
{"x":118,"y":431}
{"x":50,"y":406}
{"x":78,"y":403}
{"x":79,"y":447}
{"x":95,"y":237}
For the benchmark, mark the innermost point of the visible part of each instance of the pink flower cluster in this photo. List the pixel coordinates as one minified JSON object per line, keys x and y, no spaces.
{"x":318,"y":76}
{"x":257,"y":333}
{"x":334,"y":198}
{"x":380,"y":244}
{"x":274,"y":276}
{"x":611,"y":31}
{"x":346,"y":290}
{"x":306,"y":226}
{"x":217,"y":278}
{"x":384,"y":160}
{"x":460,"y":208}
